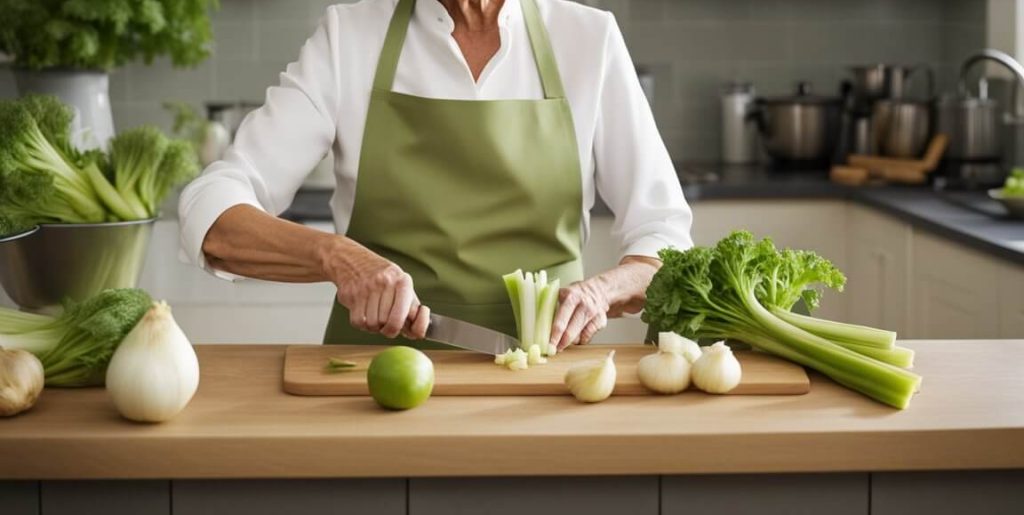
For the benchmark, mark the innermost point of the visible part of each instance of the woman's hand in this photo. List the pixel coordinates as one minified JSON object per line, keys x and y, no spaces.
{"x":584,"y":306}
{"x":378,"y":294}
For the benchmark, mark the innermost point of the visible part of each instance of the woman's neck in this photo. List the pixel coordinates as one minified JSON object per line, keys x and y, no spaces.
{"x":474,"y":15}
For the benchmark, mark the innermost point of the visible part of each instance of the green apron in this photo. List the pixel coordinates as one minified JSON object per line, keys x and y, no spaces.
{"x":458,"y":193}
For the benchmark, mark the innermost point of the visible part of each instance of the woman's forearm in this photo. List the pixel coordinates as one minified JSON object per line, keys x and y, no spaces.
{"x":627,"y":283}
{"x":249,"y":242}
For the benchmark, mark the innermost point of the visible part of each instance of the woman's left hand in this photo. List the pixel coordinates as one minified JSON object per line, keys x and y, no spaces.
{"x":585,"y":306}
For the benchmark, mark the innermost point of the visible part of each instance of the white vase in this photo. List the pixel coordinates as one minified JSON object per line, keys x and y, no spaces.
{"x":86,"y":91}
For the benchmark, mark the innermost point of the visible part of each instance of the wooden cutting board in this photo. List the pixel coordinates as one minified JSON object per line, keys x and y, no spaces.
{"x":469,"y":373}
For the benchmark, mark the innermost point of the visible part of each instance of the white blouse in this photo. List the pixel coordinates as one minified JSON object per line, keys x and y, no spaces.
{"x":322,"y":100}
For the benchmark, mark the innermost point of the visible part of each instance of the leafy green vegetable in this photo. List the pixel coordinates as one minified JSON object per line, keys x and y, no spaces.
{"x":39,"y":180}
{"x":738,"y":288}
{"x":1014,"y":186}
{"x":76,"y":346}
{"x":44,"y":179}
{"x":103,"y":34}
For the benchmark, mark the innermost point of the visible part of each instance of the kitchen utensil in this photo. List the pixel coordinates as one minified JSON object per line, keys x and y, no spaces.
{"x":739,"y":138}
{"x":1014,"y":205}
{"x":849,"y":175}
{"x":59,"y":261}
{"x":801,"y":127}
{"x":909,"y":171}
{"x":972,"y":124}
{"x":468,"y":336}
{"x":902,"y":127}
{"x":469,"y":373}
{"x":870,"y":82}
{"x":880,"y":81}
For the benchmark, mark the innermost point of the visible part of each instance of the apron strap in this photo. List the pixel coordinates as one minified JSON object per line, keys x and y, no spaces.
{"x":387,"y":65}
{"x":542,"y":53}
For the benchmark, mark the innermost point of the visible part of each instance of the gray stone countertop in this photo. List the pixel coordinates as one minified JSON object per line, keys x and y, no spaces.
{"x":970,"y":218}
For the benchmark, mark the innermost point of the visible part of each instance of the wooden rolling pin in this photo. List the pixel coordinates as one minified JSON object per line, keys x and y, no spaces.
{"x":910,"y":171}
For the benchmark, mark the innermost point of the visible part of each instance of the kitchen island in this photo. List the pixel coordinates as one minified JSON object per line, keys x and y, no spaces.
{"x":831,"y":450}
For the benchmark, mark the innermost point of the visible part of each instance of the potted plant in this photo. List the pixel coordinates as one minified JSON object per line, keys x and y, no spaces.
{"x":67,"y":48}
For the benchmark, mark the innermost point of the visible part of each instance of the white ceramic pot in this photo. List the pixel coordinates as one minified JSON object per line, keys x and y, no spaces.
{"x":86,"y":91}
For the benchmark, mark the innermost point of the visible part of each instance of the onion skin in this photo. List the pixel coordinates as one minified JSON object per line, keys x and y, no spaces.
{"x":21,"y":381}
{"x":154,"y":372}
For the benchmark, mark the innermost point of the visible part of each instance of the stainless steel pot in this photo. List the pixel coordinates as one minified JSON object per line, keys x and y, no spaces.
{"x":972,"y":125}
{"x":901,"y":127}
{"x":40,"y":269}
{"x":802,"y":127}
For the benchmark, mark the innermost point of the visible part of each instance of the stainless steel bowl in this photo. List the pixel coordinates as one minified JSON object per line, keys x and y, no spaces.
{"x":902,"y":127}
{"x":41,"y":268}
{"x":1014,"y":205}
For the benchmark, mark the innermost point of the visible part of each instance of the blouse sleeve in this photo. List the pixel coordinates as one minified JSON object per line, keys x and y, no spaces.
{"x":634,"y":173}
{"x":274,"y":149}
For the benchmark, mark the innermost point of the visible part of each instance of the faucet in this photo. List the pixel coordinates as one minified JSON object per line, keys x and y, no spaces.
{"x":990,"y":54}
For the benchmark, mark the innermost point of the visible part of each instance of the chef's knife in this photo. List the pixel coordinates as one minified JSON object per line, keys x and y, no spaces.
{"x":469,"y":336}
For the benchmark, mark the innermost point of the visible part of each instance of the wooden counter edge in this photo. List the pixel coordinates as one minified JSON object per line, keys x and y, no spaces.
{"x":355,"y":457}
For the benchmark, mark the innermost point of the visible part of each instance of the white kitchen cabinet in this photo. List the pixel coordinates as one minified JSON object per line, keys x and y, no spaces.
{"x":954,"y":290}
{"x":878,"y":271}
{"x":212,"y":310}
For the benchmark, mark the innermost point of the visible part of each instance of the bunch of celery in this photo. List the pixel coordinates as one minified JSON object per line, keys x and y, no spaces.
{"x":76,"y":346}
{"x":534,"y":301}
{"x":744,"y":289}
{"x":45,"y":179}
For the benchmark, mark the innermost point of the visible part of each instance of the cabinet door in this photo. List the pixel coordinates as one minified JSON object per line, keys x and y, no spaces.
{"x":878,"y":282}
{"x":955,"y":291}
{"x":1011,"y":302}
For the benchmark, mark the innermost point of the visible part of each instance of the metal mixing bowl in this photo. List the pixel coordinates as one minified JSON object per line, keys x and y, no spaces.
{"x":39,"y":269}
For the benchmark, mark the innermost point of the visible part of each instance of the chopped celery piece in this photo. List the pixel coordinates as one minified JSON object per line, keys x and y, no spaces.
{"x":534,"y":301}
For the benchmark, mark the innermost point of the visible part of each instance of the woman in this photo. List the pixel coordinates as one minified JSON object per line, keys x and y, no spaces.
{"x":470,"y":138}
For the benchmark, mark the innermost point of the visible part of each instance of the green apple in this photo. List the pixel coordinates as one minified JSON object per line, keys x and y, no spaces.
{"x":400,"y":378}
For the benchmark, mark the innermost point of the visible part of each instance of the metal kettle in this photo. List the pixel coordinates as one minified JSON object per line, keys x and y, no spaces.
{"x":974,"y":123}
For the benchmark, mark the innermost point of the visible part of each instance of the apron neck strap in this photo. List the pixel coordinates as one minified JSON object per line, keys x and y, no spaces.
{"x":542,"y":53}
{"x":387,"y":65}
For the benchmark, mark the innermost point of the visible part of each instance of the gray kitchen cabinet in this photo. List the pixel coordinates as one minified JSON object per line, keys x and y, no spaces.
{"x":291,"y":496}
{"x":952,"y":493}
{"x":637,"y":495}
{"x":782,"y":494}
{"x":19,"y":497}
{"x":878,"y":271}
{"x":105,"y":497}
{"x":1011,"y":302}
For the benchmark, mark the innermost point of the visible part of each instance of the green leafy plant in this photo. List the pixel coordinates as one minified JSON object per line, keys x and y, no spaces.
{"x":76,"y":346}
{"x":743,"y":289}
{"x":44,"y":179}
{"x":103,"y":34}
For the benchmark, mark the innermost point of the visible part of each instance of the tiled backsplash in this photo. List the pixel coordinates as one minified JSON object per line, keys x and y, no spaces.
{"x":692,"y":46}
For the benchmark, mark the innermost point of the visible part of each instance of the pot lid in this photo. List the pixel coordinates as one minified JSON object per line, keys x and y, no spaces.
{"x":803,"y":96}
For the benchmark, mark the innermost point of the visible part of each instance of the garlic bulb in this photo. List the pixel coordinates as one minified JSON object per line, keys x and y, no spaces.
{"x":717,"y":370}
{"x":21,"y":381}
{"x":664,"y":371}
{"x":154,"y":371}
{"x":592,"y":381}
{"x":672,"y":342}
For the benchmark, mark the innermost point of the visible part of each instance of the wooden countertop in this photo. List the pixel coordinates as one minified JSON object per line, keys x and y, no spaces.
{"x":969,"y":415}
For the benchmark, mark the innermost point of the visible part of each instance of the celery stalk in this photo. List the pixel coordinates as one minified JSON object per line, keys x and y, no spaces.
{"x":528,"y":298}
{"x":512,"y":282}
{"x":897,"y":356}
{"x":856,"y":334}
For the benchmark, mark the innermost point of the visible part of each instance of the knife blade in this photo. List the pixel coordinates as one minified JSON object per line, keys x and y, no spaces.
{"x":468,"y":336}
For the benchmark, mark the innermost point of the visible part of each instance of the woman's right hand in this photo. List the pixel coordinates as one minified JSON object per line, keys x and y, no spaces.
{"x":379,"y":295}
